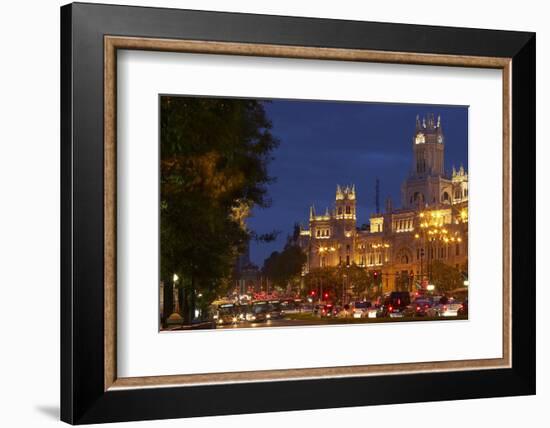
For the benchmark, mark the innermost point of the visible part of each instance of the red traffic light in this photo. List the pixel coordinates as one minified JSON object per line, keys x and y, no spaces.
{"x":326,"y":295}
{"x":375,"y":274}
{"x":312,"y":292}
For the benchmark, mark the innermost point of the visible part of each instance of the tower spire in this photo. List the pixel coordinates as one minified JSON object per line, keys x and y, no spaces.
{"x":312,"y":212}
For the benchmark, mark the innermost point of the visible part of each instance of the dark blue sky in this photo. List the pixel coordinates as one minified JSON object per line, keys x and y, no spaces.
{"x":324,"y":143}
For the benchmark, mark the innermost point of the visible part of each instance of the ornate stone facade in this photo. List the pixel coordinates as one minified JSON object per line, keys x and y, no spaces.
{"x":399,"y":244}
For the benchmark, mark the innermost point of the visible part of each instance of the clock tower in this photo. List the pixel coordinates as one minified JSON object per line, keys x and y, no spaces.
{"x":427,"y":183}
{"x":428,"y":146}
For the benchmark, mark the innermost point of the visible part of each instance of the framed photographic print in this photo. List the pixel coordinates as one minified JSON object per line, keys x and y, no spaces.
{"x":264,"y":208}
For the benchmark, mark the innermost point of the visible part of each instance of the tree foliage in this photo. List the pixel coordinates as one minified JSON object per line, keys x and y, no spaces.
{"x":214,"y":158}
{"x":338,"y":280}
{"x":282,"y":267}
{"x":446,"y":277}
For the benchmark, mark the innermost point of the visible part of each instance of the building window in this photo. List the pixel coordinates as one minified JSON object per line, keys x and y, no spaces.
{"x":348,"y":209}
{"x":445,"y":197}
{"x":339,"y":210}
{"x":458,"y":194}
{"x":347,"y":260}
{"x":347,"y":247}
{"x":457,"y":250}
{"x":404,"y":259}
{"x":318,"y":232}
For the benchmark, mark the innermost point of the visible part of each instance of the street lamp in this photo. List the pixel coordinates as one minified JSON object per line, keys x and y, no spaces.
{"x":433,"y":230}
{"x":175,"y":317}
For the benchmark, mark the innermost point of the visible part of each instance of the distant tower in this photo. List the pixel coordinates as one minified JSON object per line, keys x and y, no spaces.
{"x":345,"y":224}
{"x":377,"y":196}
{"x":428,"y":147}
{"x":427,"y":185}
{"x":345,"y":202}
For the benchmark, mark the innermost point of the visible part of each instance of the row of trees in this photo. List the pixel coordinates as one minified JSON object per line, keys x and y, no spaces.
{"x":446,"y":277}
{"x":213,"y":171}
{"x":341,"y":281}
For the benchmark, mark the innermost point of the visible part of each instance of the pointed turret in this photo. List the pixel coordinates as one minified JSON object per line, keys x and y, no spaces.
{"x":312,"y":212}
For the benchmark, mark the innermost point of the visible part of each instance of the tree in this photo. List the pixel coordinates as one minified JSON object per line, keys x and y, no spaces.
{"x":282,"y":268}
{"x":446,"y":277}
{"x":357,"y":280}
{"x":214,"y":157}
{"x":322,"y":280}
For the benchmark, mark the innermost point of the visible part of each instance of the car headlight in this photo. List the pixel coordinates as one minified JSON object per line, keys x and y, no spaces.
{"x":220,"y":321}
{"x":268,"y":316}
{"x":234,"y":319}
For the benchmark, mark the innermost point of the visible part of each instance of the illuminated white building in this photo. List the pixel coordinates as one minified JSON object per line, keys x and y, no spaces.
{"x":399,"y":244}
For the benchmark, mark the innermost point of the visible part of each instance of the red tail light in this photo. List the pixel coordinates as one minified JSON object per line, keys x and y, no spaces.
{"x":390,"y":308}
{"x":418,"y":308}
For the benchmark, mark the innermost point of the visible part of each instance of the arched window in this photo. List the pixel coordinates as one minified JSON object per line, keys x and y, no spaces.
{"x":458,"y":194}
{"x":404,"y":259}
{"x":445,"y":197}
{"x":339,"y":210}
{"x":348,"y":209}
{"x":419,"y":197}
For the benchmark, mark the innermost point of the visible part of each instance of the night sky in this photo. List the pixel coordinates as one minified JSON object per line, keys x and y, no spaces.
{"x":323,"y":144}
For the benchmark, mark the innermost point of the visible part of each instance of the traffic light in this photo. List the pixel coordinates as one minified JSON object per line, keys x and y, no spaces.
{"x":326,"y":296}
{"x":312,"y":292}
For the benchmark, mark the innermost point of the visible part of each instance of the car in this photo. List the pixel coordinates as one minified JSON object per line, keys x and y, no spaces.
{"x":418,"y":308}
{"x":275,"y":310}
{"x":445,"y":307}
{"x":226,"y":314}
{"x":343,"y":312}
{"x":360,"y":309}
{"x":463,"y":310}
{"x":326,"y":311}
{"x":258,"y":312}
{"x":293,"y":306}
{"x":394,"y":305}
